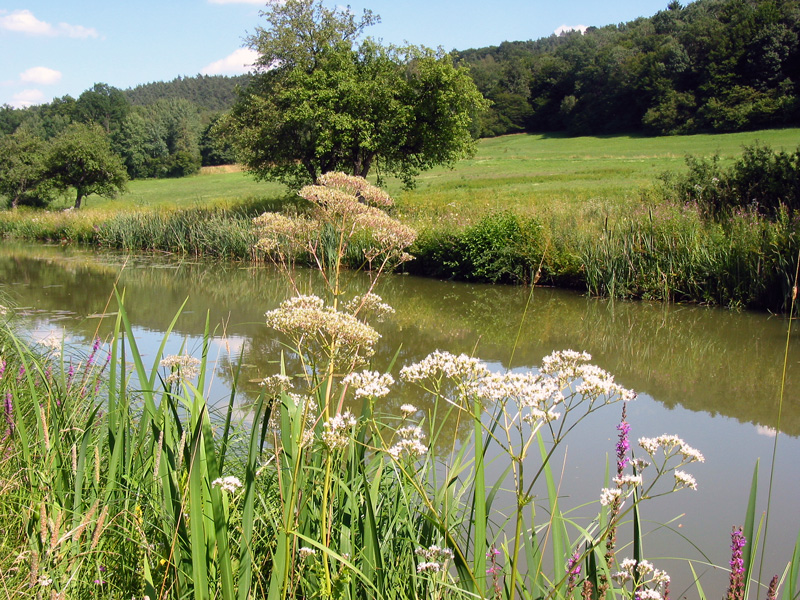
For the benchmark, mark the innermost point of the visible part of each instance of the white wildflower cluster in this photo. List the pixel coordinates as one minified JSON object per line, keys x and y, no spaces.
{"x":370,"y":303}
{"x":182,"y":367}
{"x":306,"y":320}
{"x":280,"y":233}
{"x":628,"y":481}
{"x":534,"y":394}
{"x":565,"y":362}
{"x":683,"y":479}
{"x":306,"y":552}
{"x":442,"y":363}
{"x":647,"y":582}
{"x":434,"y":559}
{"x":356,"y":186}
{"x":275,"y":384}
{"x":408,"y":410}
{"x":369,"y":384}
{"x":409,"y":443}
{"x":673,"y":447}
{"x":608,"y":495}
{"x":3,"y":310}
{"x":596,"y":382}
{"x":336,"y":430}
{"x":227,"y":484}
{"x":52,"y":341}
{"x":563,"y":376}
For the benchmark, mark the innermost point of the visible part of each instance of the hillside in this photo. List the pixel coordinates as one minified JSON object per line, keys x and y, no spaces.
{"x":712,"y":65}
{"x":214,"y":93}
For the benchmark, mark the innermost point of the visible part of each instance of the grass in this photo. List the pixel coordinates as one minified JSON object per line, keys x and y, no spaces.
{"x":531,"y":174}
{"x":523,"y":173}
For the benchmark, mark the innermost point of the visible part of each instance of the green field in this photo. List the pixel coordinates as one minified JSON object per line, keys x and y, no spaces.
{"x":524,"y":173}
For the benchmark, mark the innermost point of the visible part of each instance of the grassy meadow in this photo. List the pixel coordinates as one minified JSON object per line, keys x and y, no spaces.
{"x":523,"y":173}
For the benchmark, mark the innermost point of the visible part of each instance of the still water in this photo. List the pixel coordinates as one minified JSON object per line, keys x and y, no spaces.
{"x":711,"y":376}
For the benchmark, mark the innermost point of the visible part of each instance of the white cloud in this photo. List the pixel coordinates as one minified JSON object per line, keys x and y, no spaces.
{"x":236,"y":63}
{"x":77,"y":31}
{"x":23,"y":21}
{"x":40,"y":75}
{"x":27,"y":98}
{"x":566,"y":28}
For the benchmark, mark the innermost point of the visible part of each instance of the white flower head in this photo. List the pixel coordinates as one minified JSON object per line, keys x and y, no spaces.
{"x":683,"y":479}
{"x":608,"y":495}
{"x":306,"y":552}
{"x":182,"y":367}
{"x":369,"y":384}
{"x":336,"y":430}
{"x":409,"y":443}
{"x":408,"y":410}
{"x":227,"y":484}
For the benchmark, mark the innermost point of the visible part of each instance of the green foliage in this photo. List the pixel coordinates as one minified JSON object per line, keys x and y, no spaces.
{"x":761,"y":180}
{"x":212,"y":93}
{"x":81,"y":158}
{"x":718,"y":65}
{"x":500,"y":248}
{"x":321,"y":103}
{"x":23,"y":179}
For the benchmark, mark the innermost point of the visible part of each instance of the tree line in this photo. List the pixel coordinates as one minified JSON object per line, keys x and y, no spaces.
{"x":333,"y":99}
{"x":712,"y":65}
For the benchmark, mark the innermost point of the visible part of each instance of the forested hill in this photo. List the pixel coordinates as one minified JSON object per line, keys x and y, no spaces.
{"x":213,"y":93}
{"x":712,"y":65}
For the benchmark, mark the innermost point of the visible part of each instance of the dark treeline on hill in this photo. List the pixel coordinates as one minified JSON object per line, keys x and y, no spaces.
{"x":213,"y":93}
{"x":160,"y":129}
{"x":712,"y":65}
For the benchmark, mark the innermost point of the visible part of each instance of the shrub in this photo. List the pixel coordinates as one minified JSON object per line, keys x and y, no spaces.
{"x":761,"y":180}
{"x":501,"y":248}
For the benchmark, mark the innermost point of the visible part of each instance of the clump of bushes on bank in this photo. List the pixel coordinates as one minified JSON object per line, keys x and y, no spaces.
{"x":761,"y":181}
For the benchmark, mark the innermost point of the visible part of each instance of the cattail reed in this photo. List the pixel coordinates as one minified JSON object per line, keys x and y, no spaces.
{"x":98,"y":529}
{"x":157,"y":457}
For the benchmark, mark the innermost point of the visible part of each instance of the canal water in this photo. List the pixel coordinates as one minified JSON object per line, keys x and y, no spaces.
{"x":709,"y":375}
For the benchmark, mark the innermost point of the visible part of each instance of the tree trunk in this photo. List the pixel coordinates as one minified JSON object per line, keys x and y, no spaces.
{"x":78,"y":198}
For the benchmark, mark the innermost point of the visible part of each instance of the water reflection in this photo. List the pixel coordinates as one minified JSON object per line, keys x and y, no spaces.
{"x":710,"y":360}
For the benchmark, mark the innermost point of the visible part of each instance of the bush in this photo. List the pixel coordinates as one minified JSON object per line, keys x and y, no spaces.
{"x":761,"y":180}
{"x":501,"y":248}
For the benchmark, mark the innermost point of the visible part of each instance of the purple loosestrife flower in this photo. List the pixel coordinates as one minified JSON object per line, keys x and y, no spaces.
{"x":623,"y":445}
{"x":95,"y":346}
{"x":573,"y":571}
{"x":9,"y":410}
{"x":21,"y":373}
{"x":736,"y":586}
{"x":70,"y":374}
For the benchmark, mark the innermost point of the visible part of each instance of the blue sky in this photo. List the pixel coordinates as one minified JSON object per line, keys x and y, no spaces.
{"x":50,"y":48}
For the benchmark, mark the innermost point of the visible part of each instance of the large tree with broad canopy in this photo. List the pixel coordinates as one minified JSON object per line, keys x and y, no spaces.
{"x":324,"y":99}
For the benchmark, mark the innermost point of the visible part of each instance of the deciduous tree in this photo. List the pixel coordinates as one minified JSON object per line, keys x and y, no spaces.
{"x":23,"y":180}
{"x":322,"y":100}
{"x":81,"y":158}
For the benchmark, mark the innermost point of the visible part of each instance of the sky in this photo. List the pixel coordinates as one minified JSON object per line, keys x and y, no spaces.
{"x":53,"y":48}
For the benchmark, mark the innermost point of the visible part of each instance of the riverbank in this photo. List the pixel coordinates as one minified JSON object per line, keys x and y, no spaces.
{"x":577,"y":213}
{"x":658,"y":252}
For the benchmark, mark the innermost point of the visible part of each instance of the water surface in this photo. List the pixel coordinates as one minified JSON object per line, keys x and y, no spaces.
{"x":711,"y":376}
